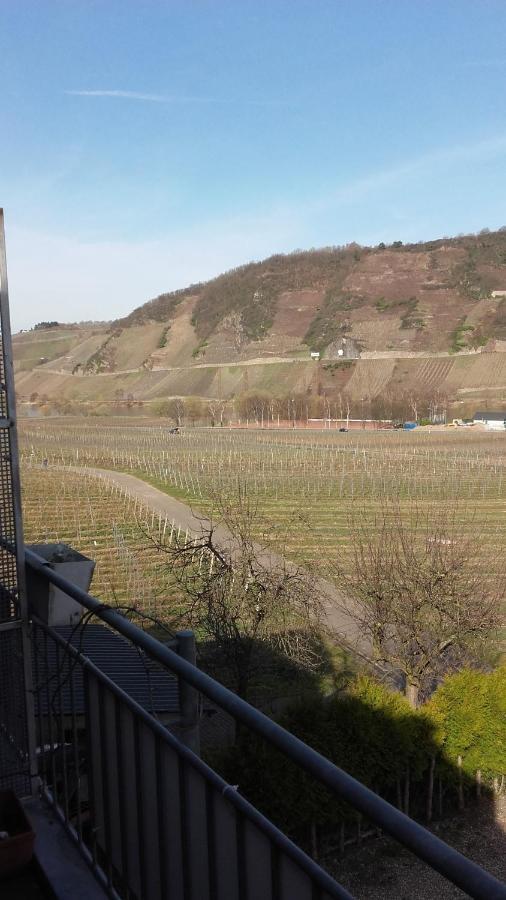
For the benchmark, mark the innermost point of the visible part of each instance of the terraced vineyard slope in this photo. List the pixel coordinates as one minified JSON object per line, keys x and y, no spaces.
{"x":403,"y":307}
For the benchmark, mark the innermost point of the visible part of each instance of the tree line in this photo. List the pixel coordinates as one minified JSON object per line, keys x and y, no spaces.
{"x":264,"y":409}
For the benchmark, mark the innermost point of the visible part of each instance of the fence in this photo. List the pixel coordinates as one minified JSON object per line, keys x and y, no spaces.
{"x":149,"y":814}
{"x":16,"y":719}
{"x":151,"y":818}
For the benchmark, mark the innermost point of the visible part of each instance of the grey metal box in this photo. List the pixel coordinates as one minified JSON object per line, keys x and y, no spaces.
{"x":48,"y":602}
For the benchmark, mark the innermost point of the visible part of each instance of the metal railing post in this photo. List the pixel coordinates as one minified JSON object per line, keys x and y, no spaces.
{"x":188,"y":695}
{"x":8,"y":424}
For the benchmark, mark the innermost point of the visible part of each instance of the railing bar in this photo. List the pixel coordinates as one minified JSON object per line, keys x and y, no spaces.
{"x":12,"y":624}
{"x":140,"y":818}
{"x":444,"y":859}
{"x":91,"y":786}
{"x":61,"y":724}
{"x":104,"y":765}
{"x":275,"y":885}
{"x":183,"y":816}
{"x":77,"y":762}
{"x":122,"y":788}
{"x":54,"y":786}
{"x":184,"y":754}
{"x":163,"y":844}
{"x":40,"y":717}
{"x":242,"y":879}
{"x":211,"y":842}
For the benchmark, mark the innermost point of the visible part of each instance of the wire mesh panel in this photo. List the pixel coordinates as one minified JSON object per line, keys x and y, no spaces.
{"x":13,"y":731}
{"x":8,"y":564}
{"x":14,"y":743}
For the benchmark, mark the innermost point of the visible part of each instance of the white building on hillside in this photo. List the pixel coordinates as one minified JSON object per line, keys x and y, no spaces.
{"x":495,"y":420}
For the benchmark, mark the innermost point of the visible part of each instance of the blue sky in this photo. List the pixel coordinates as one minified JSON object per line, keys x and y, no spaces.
{"x":145,"y":145}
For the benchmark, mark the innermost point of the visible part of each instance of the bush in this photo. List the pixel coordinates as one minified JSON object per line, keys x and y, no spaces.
{"x":469,"y":709}
{"x":371,"y":732}
{"x":377,"y":737}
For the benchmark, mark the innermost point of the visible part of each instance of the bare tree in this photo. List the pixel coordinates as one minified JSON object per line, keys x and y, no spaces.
{"x":418,"y":593}
{"x":194,"y":409}
{"x":213,"y":408}
{"x":340,"y":401}
{"x":253,"y":405}
{"x":242,"y":595}
{"x":347,"y":412}
{"x":414,"y":401}
{"x":437,"y":406}
{"x":273,"y":408}
{"x":176,"y":409}
{"x":326,"y":402}
{"x":222,"y":406}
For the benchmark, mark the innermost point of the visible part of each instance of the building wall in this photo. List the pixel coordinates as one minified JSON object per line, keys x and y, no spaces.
{"x":491,"y":424}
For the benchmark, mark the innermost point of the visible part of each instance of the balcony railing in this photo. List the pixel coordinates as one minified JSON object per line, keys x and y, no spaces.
{"x":152,"y":819}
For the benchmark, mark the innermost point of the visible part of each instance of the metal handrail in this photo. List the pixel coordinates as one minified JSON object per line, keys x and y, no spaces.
{"x":324,"y":881}
{"x":467,"y":875}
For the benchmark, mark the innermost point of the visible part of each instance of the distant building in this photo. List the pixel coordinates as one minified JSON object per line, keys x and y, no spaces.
{"x":495,"y":420}
{"x":498,"y":294}
{"x":343,"y":348}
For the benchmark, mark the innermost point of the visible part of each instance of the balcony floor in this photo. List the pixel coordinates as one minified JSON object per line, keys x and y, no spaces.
{"x":59,"y":859}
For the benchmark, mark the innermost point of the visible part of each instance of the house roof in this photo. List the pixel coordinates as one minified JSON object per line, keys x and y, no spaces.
{"x":487,"y":416}
{"x":144,"y":680}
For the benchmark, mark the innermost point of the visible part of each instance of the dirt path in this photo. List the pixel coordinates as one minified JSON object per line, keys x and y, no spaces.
{"x":342,"y":625}
{"x":256,"y":361}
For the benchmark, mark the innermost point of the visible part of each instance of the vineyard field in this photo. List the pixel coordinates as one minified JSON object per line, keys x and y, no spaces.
{"x":106,"y":524}
{"x":307,"y":484}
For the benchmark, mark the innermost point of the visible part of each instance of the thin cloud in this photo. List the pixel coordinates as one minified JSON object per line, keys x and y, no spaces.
{"x":140,"y":96}
{"x":497,"y":63}
{"x":360,"y":188}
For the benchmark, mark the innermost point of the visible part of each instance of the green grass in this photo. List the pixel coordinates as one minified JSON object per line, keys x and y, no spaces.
{"x":458,"y":341}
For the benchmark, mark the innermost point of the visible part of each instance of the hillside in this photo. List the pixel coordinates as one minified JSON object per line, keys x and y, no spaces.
{"x":422,"y":317}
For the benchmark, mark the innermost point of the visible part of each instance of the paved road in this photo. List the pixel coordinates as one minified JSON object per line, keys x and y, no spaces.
{"x":338,"y":620}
